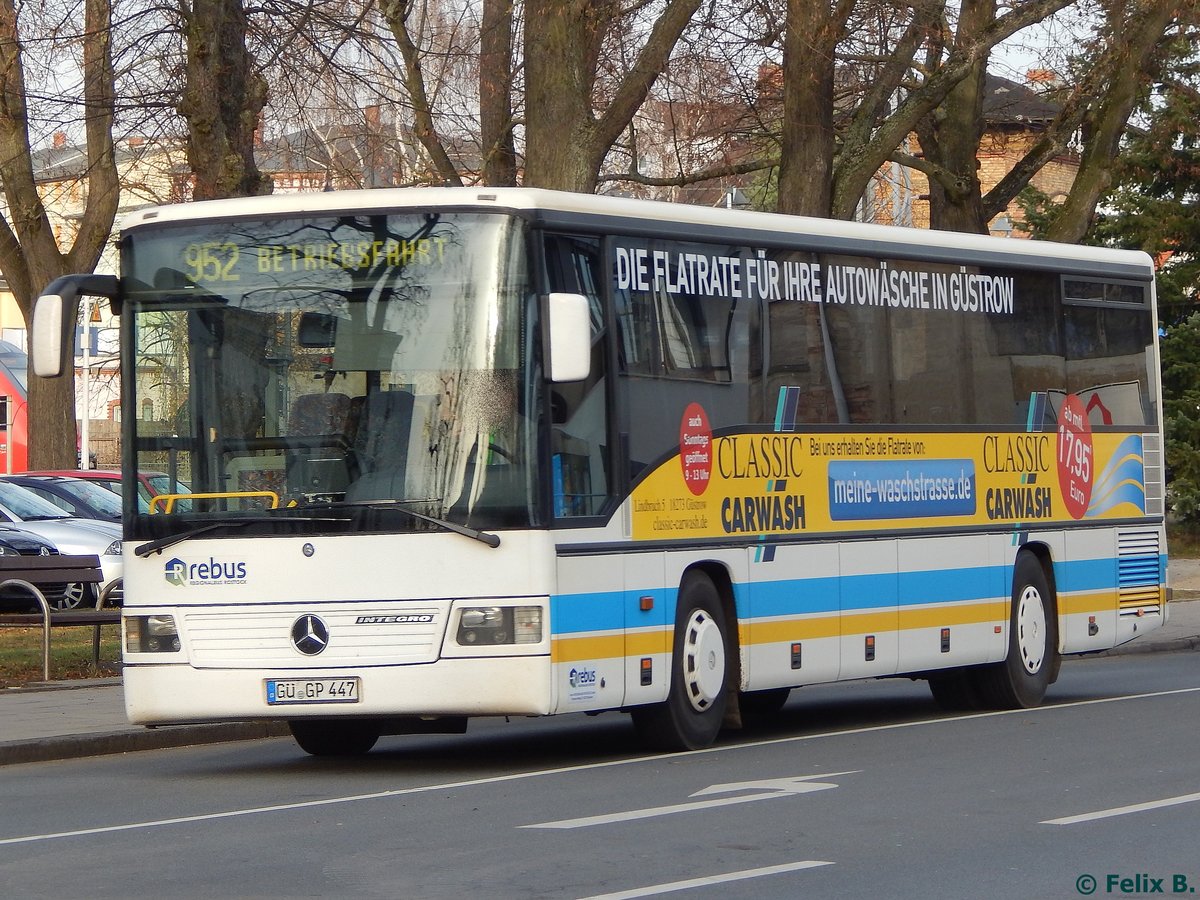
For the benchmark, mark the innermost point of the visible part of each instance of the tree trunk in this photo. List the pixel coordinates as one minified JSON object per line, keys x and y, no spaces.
{"x":955,"y":197}
{"x":495,"y":94}
{"x":561,"y":42}
{"x":222,"y":102}
{"x":807,"y":139}
{"x":565,"y":143}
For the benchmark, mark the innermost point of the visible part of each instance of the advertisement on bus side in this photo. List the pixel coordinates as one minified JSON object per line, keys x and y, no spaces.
{"x":772,"y":483}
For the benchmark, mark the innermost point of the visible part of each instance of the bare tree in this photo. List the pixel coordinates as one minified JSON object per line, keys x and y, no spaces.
{"x":1128,"y":58}
{"x":30,"y":253}
{"x":399,"y":15}
{"x":1113,"y":71}
{"x":570,"y":126}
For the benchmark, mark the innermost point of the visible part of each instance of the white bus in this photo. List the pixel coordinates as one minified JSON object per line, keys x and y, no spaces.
{"x":476,"y":452}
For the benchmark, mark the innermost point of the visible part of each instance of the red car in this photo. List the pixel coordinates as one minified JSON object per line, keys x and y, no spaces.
{"x":150,"y":484}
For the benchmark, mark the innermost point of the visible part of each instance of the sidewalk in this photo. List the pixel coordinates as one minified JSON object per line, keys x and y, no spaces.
{"x":73,"y":719}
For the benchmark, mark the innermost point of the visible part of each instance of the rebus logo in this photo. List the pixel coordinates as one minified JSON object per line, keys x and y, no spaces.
{"x":581,"y":677}
{"x":211,"y":571}
{"x":176,"y":572}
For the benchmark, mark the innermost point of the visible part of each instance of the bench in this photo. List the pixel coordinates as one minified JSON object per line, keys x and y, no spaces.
{"x":32,"y":573}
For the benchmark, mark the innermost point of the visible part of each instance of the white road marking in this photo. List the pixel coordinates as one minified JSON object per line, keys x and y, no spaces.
{"x":1123,"y":810}
{"x":586,"y":767}
{"x":774,"y":787}
{"x":672,"y":886}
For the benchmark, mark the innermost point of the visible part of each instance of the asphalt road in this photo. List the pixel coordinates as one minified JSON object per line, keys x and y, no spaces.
{"x":860,"y":789}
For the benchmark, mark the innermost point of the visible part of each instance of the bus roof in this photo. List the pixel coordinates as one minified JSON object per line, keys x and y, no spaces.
{"x":590,"y":212}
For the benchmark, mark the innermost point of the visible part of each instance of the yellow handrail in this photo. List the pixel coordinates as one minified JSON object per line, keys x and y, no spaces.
{"x":167,"y":501}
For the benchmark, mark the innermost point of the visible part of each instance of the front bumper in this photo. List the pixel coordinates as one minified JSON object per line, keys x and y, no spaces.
{"x":488,"y":686}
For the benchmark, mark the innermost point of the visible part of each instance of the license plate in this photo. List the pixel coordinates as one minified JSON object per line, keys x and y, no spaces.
{"x":312,"y":690}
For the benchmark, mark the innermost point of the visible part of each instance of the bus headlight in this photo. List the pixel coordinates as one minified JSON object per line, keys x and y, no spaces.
{"x":151,"y":634}
{"x":492,"y":625}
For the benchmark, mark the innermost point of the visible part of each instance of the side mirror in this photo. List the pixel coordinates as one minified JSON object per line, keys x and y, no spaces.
{"x":569,"y":332}
{"x":49,"y":336}
{"x":53,"y":338}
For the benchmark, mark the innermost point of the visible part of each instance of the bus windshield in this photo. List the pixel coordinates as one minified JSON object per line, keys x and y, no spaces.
{"x":335,"y":374}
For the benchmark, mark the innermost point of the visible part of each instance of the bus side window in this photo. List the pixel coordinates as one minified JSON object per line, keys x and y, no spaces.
{"x":579,"y":411}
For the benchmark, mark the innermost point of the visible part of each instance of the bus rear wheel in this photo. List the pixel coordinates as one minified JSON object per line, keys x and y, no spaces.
{"x":335,"y":737}
{"x":1020,"y":681}
{"x":695,"y":706}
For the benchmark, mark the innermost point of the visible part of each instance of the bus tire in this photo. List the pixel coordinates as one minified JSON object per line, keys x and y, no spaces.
{"x":691,"y":716}
{"x":955,"y":691}
{"x":1020,"y":681}
{"x":335,"y":737}
{"x":764,"y":703}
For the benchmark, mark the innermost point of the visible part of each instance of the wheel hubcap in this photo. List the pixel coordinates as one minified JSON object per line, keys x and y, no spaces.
{"x":703,"y":660}
{"x":72,"y":596}
{"x":1031,"y":629}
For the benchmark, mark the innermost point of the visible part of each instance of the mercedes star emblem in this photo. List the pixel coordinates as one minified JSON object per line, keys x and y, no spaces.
{"x":310,"y":635}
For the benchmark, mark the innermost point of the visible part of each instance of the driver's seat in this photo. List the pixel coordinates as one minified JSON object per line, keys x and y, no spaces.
{"x":381,"y":446}
{"x":320,"y":467}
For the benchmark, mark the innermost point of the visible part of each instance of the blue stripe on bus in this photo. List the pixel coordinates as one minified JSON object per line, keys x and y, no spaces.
{"x":606,"y":610}
{"x":1085,"y":575}
{"x":609,"y":610}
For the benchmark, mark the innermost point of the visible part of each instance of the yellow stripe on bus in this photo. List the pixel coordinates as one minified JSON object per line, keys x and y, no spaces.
{"x":1092,"y":602}
{"x":640,"y":643}
{"x":807,"y":629}
{"x":882,"y":622}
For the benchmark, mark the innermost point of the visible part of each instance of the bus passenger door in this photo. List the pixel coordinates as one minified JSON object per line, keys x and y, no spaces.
{"x":580,"y":445}
{"x":870,"y":614}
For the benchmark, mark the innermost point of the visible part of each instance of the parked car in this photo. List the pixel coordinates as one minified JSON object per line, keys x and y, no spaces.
{"x":30,"y":512}
{"x":150,"y":483}
{"x":16,"y":542}
{"x":74,"y":496}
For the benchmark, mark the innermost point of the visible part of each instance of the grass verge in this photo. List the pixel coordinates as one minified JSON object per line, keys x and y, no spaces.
{"x":1184,"y":541}
{"x":70,"y":654}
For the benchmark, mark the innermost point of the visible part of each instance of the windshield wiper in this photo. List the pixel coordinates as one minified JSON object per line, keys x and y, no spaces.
{"x":485,"y":537}
{"x":159,"y":544}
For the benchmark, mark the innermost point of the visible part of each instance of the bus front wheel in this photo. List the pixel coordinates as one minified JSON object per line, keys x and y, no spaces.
{"x":1020,"y":681}
{"x":695,"y":706}
{"x":335,"y":737}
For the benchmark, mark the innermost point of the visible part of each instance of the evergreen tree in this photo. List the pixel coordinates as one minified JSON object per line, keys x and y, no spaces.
{"x":1181,"y":414}
{"x":1156,"y":206}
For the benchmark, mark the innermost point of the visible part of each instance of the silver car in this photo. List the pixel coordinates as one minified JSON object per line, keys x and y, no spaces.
{"x":67,"y":533}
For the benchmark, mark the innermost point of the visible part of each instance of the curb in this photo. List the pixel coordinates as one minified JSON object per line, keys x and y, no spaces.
{"x":1174,"y":645}
{"x":35,"y":687}
{"x":163,"y":738}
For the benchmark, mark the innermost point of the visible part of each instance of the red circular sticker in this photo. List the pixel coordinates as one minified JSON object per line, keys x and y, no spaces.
{"x":1075,"y":456}
{"x":695,"y":448}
